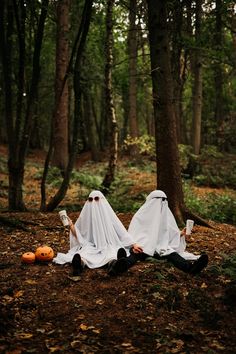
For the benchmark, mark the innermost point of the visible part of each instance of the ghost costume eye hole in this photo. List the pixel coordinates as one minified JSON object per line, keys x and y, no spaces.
{"x":162,"y":198}
{"x":90,"y":199}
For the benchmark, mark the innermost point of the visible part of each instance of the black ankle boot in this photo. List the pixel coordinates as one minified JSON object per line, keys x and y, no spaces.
{"x":121,"y":253}
{"x":77,"y":265}
{"x":118,"y":267}
{"x":199,"y":264}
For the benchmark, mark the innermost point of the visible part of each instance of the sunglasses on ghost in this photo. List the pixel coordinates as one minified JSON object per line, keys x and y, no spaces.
{"x":90,"y":199}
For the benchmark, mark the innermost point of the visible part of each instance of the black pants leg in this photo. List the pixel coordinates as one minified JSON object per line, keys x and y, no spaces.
{"x":135,"y":257}
{"x":179,"y":262}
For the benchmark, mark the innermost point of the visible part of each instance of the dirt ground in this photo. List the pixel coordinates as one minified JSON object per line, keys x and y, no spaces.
{"x":153,"y":308}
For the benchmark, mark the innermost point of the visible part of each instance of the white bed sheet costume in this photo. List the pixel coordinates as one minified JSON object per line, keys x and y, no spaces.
{"x":154,"y":228}
{"x":99,"y":232}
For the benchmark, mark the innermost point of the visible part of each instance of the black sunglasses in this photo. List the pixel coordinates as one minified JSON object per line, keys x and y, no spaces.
{"x":163,"y":198}
{"x":90,"y":199}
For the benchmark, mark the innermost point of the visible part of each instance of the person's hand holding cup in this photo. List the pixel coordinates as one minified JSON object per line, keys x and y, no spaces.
{"x":189,"y":226}
{"x":64,"y":218}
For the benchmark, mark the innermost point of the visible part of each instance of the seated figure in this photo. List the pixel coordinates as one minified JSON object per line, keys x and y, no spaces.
{"x":155,"y":229}
{"x":97,"y":238}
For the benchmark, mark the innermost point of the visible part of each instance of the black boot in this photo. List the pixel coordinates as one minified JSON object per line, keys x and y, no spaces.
{"x":199,"y":264}
{"x":178,"y":262}
{"x":118,"y":266}
{"x":77,"y":265}
{"x":121,"y":253}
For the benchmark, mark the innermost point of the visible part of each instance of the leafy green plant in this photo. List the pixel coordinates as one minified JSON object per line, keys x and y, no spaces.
{"x":218,"y":207}
{"x":185,"y":154}
{"x":89,"y":181}
{"x":3,"y":164}
{"x":214,"y":169}
{"x":227,"y":267}
{"x":145,"y":145}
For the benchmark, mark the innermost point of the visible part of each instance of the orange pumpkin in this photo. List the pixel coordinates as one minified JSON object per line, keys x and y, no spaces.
{"x":44,"y":254}
{"x":28,"y":257}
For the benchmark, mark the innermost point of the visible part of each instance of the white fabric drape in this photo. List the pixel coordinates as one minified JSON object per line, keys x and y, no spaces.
{"x":100,"y":234}
{"x":154,"y":228}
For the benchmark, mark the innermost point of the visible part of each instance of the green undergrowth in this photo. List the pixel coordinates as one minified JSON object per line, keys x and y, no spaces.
{"x":226,"y":268}
{"x":220,"y":207}
{"x":211,"y":168}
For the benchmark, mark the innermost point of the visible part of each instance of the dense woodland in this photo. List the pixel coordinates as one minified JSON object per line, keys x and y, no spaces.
{"x":113,"y":78}
{"x":124,"y":96}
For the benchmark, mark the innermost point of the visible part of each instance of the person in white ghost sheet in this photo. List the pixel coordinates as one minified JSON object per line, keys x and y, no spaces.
{"x":155,"y":229}
{"x":97,"y":238}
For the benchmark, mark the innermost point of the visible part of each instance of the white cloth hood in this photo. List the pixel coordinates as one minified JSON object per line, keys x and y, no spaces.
{"x":99,"y":224}
{"x":99,"y":231}
{"x":154,"y":228}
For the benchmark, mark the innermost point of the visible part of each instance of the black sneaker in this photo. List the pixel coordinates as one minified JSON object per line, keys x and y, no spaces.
{"x":77,"y":265}
{"x":118,"y":267}
{"x":199,"y":264}
{"x":121,"y":253}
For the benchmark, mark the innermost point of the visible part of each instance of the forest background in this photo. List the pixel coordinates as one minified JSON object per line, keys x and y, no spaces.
{"x":152,"y":83}
{"x":125,"y":97}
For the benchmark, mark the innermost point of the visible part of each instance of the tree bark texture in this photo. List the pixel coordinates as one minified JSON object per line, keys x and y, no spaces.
{"x":90,"y":124}
{"x":132,"y":54}
{"x":80,"y":43}
{"x":178,"y":67}
{"x":110,"y":110}
{"x":60,"y":143}
{"x":219,"y":106}
{"x":19,"y":129}
{"x":168,"y":166}
{"x":197,"y":83}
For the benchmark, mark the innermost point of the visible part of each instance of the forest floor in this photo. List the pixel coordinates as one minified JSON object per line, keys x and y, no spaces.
{"x":153,"y":308}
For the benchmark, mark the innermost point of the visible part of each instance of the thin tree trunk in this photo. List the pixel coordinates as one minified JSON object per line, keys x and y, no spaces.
{"x":176,"y":64}
{"x":60,"y":154}
{"x":19,"y":133}
{"x":219,"y":106}
{"x":110,"y":110}
{"x":132,"y":53}
{"x":197,"y":83}
{"x":81,"y":40}
{"x":90,"y":125}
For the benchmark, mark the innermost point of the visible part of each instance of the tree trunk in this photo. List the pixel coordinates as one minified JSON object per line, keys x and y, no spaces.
{"x":125,"y":106}
{"x":18,"y":131}
{"x":90,"y":124}
{"x":110,"y":110}
{"x":168,"y":166}
{"x":81,"y":41}
{"x":60,"y":143}
{"x":178,"y":65}
{"x":132,"y":54}
{"x":197,"y":83}
{"x":175,"y":62}
{"x":219,"y":106}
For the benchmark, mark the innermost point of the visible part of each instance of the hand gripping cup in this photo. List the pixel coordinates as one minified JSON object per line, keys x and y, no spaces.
{"x":64,"y":217}
{"x":189,"y":226}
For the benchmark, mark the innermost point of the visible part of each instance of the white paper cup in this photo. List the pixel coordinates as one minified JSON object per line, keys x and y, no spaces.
{"x":189,"y":226}
{"x":64,"y":217}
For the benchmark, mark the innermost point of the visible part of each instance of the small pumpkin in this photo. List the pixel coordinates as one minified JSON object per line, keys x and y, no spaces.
{"x":44,"y":253}
{"x":28,"y":257}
